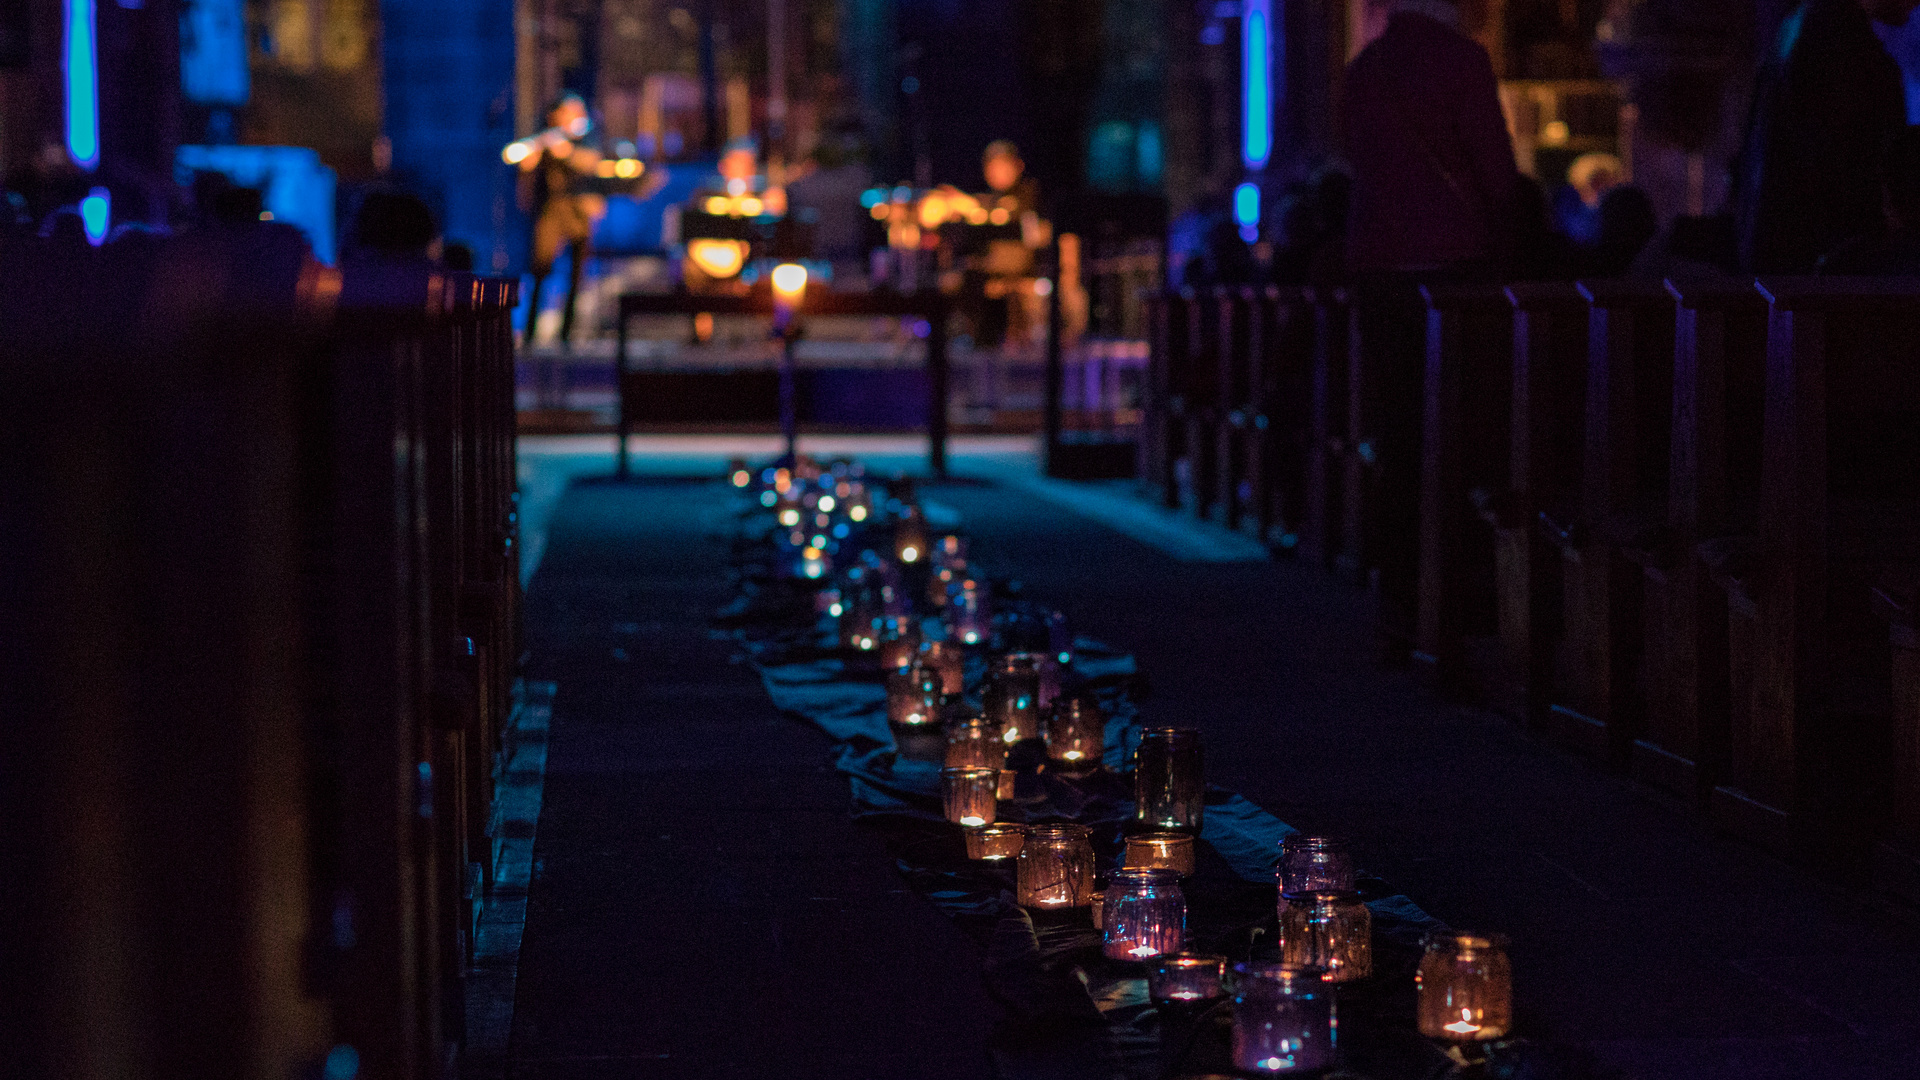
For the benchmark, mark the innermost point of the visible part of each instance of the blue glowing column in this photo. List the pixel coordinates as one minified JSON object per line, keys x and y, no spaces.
{"x":1256,"y":83}
{"x":83,"y":86}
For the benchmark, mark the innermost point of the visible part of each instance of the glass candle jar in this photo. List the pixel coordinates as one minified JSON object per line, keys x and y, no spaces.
{"x":1008,"y":778}
{"x":1314,"y":863}
{"x":1014,"y":698}
{"x":1186,"y":977}
{"x":910,"y":537}
{"x":969,"y":795}
{"x":1056,"y":868}
{"x":1144,"y":914}
{"x":974,"y":742}
{"x":1466,"y":987}
{"x":1330,"y":930}
{"x":1162,"y":851}
{"x":899,"y":642}
{"x":913,"y":696}
{"x":1283,"y":1019}
{"x":1075,"y":732}
{"x":995,"y":842}
{"x":1168,"y":789}
{"x":946,"y":658}
{"x":970,"y":614}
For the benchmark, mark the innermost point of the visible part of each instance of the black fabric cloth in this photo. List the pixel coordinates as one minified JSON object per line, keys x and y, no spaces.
{"x":1826,"y":99}
{"x":1069,"y":1012}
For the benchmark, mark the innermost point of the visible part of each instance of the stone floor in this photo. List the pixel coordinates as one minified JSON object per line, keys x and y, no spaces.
{"x":701,"y":905}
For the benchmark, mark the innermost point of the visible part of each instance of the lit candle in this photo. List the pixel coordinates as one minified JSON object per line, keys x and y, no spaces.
{"x":1014,"y":699}
{"x":1168,"y":788}
{"x":1056,"y":868}
{"x":1186,"y":977}
{"x":789,"y":287}
{"x":913,"y":696}
{"x":899,"y":643}
{"x":946,"y":657}
{"x":1161,"y":850}
{"x":1144,"y":914}
{"x":969,"y":795}
{"x":1075,"y":732}
{"x":1466,"y":987}
{"x":995,"y":842}
{"x":1330,"y":930}
{"x":1283,"y":1019}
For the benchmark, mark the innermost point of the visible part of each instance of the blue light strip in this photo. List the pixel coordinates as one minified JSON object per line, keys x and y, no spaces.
{"x":1256,"y":83}
{"x":83,"y":86}
{"x":1246,"y":205}
{"x":96,"y":213}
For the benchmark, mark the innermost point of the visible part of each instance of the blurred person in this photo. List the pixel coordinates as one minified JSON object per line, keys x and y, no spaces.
{"x":393,"y":225}
{"x":1894,"y":250}
{"x":1826,"y":98}
{"x":1626,"y":224}
{"x":1576,"y":205}
{"x":1016,"y":232}
{"x":554,"y":166}
{"x":1434,"y":196}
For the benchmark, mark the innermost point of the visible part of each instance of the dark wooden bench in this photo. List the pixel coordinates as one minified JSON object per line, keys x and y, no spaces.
{"x":1719,"y":369}
{"x":1465,"y":445}
{"x":1623,"y":481}
{"x":1547,"y":400}
{"x":1811,"y":767}
{"x":1323,"y":531}
{"x":1897,"y":857}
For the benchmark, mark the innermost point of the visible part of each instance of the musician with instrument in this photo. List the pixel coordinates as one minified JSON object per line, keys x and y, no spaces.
{"x":557,"y":169}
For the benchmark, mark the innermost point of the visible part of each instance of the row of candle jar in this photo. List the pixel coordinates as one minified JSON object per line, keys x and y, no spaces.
{"x":919,"y":695}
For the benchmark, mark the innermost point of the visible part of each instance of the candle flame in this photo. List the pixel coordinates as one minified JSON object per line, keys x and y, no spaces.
{"x":1073,"y":755}
{"x":1464,"y":1025}
{"x":909,"y":554}
{"x":973,"y":820}
{"x":1143,"y":951}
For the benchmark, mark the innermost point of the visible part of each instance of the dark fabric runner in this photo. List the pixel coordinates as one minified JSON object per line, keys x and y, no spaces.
{"x":1072,"y":1013}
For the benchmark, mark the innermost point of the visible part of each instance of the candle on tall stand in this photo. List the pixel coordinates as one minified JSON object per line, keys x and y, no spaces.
{"x":1466,"y":987}
{"x":789,"y":288}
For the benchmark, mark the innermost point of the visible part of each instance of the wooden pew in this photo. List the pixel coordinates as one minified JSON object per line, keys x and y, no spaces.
{"x":1200,"y":395}
{"x":1623,"y":481}
{"x":1811,"y":757}
{"x":1322,"y":530}
{"x":257,"y":509}
{"x":1465,"y":445}
{"x":1897,"y":857}
{"x":1279,"y":416}
{"x":1168,"y":360}
{"x":1237,"y":310}
{"x":1547,"y":400}
{"x":1719,"y":369}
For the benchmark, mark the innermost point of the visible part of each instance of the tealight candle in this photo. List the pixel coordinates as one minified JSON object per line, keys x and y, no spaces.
{"x":910,"y":537}
{"x":1144,"y":914}
{"x":969,"y":795}
{"x":1168,"y":789}
{"x":946,"y":658}
{"x":899,"y":643}
{"x":1283,"y":1019}
{"x":1014,"y":700}
{"x":1075,"y":732}
{"x":1056,"y":868}
{"x":1466,"y":987}
{"x":1161,"y":850}
{"x":973,"y":742}
{"x":913,"y":696}
{"x":995,"y":842}
{"x":1186,"y":977}
{"x":1330,"y":930}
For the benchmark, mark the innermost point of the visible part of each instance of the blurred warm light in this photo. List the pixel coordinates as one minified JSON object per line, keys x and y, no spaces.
{"x":789,"y":517}
{"x":605,"y":168}
{"x":516,"y":152}
{"x":1000,"y":216}
{"x":718,"y":258}
{"x":562,"y":150}
{"x":750,"y":207}
{"x":741,"y":478}
{"x":1555,"y":133}
{"x":977,"y":216}
{"x":790,"y":279}
{"x":933,"y":210}
{"x":717,"y":204}
{"x":858,"y":513}
{"x":880,"y":211}
{"x":627,"y":168}
{"x":826,"y":502}
{"x":909,"y":554}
